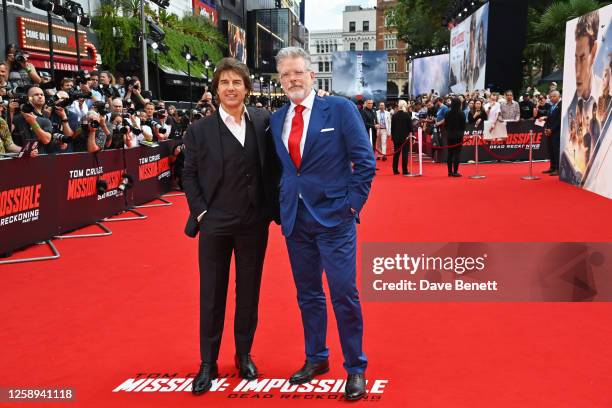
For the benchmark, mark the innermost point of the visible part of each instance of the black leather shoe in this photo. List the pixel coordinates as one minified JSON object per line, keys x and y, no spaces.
{"x":246,"y":367}
{"x":203,"y":381}
{"x":554,"y":173}
{"x":456,"y":174}
{"x":355,"y":387}
{"x":308,"y":372}
{"x":547,"y":171}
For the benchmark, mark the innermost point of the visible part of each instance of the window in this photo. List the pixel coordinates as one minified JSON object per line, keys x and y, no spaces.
{"x":391,"y":64}
{"x":366,"y":26}
{"x":327,"y":67}
{"x":366,"y":46}
{"x":326,"y":47}
{"x":16,"y":2}
{"x":352,"y":47}
{"x":336,"y":47}
{"x":326,"y":84}
{"x":352,"y":26}
{"x":320,"y":84}
{"x":320,"y":66}
{"x":390,"y":41}
{"x":318,"y":48}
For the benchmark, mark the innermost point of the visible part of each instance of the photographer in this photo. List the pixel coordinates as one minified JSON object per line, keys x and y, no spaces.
{"x":106,"y":87}
{"x":30,"y":124}
{"x":132,"y":86}
{"x":63,"y":121}
{"x":91,"y":130}
{"x":3,"y":80}
{"x":161,"y":116}
{"x":21,"y":72}
{"x":67,"y":85}
{"x":6,"y":141}
{"x":124,"y":133}
{"x":151,"y":128}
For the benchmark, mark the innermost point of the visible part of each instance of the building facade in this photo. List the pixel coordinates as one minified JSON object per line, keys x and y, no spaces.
{"x":386,"y":40}
{"x":322,"y":45}
{"x":359,"y":28}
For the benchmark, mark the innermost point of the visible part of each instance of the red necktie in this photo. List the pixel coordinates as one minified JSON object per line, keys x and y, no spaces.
{"x":295,"y":137}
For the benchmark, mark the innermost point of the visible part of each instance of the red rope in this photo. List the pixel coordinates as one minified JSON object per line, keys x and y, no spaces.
{"x":394,"y":152}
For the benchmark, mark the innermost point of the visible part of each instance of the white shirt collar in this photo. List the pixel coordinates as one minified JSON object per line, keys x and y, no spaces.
{"x":225,"y":115}
{"x":306,"y":103}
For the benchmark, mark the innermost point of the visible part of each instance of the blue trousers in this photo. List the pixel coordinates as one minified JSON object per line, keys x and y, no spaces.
{"x":313,"y":248}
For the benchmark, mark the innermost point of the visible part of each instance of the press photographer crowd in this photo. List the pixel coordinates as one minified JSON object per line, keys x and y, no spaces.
{"x":88,"y":112}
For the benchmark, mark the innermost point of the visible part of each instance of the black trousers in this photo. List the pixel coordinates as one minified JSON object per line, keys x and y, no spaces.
{"x":396,"y":156}
{"x":248,"y":243}
{"x":554,"y":150}
{"x":454,"y":155}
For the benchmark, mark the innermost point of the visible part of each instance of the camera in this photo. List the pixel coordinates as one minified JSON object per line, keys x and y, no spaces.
{"x":80,"y":95}
{"x":82,"y":77}
{"x":24,"y":105}
{"x":60,"y":138}
{"x":21,"y":57}
{"x":129,"y":81}
{"x":126,"y":127}
{"x":155,"y":125}
{"x":107,"y":91}
{"x":93,"y":124}
{"x":101,"y":107}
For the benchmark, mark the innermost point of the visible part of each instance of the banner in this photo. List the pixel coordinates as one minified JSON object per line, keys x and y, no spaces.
{"x":360,"y":75}
{"x":514,"y":148}
{"x":28,"y":201}
{"x":468,"y":52}
{"x":586,"y":142}
{"x":430,"y":73}
{"x":51,"y":195}
{"x":236,"y":38}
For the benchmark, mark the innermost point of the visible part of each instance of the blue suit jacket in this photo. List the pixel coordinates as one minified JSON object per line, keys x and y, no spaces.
{"x":337,"y":166}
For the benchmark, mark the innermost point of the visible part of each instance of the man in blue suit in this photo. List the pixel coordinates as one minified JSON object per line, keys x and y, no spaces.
{"x":328,"y":167}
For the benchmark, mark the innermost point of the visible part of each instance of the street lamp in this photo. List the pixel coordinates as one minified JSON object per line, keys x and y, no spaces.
{"x":189,"y":57}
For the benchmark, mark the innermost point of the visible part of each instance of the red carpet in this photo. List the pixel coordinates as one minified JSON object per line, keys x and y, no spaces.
{"x":111,"y":308}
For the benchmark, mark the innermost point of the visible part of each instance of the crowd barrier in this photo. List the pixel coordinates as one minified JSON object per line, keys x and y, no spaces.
{"x":515,"y":147}
{"x":46,"y":196}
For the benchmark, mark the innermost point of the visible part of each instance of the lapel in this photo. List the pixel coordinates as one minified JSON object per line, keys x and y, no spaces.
{"x":260,"y":133}
{"x":276,"y":123}
{"x":318,"y":117}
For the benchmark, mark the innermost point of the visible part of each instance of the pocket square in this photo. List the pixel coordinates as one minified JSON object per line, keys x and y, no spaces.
{"x":327,"y":130}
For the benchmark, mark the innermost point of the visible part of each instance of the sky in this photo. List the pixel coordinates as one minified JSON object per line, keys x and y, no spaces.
{"x":327,"y":14}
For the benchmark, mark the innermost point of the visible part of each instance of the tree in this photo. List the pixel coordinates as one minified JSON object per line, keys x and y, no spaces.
{"x":546,"y":32}
{"x":117,"y":24}
{"x":418,"y":23}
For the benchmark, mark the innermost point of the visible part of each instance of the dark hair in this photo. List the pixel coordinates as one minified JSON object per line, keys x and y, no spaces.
{"x":588,"y":25}
{"x":232,"y":64}
{"x":455,"y":105}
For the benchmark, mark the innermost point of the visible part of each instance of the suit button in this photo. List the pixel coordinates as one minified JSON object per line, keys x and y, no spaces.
{"x":299,"y":174}
{"x":248,"y":175}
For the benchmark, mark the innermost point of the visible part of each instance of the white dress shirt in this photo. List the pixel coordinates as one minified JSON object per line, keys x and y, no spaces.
{"x":238,"y":130}
{"x":307,"y":104}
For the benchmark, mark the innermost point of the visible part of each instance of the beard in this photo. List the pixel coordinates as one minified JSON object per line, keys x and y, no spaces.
{"x":297,"y":93}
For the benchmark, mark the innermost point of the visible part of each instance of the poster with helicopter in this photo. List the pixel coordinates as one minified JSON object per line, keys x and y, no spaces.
{"x":360,"y":75}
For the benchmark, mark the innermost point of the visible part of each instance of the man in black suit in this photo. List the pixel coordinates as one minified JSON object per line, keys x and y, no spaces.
{"x":230,"y":178}
{"x":552,"y":129}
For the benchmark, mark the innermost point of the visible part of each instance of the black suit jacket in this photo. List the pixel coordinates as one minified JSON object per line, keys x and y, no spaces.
{"x":401,"y":127}
{"x":204,"y":165}
{"x":554,"y":121}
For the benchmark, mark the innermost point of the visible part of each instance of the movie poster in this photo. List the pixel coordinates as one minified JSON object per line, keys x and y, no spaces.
{"x":236,"y":38}
{"x":468,"y":53}
{"x":360,"y":75}
{"x":430,"y":73}
{"x":586,"y":143}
